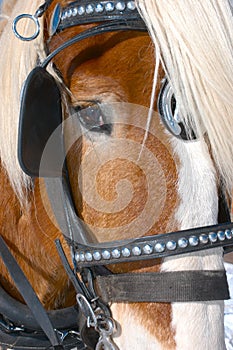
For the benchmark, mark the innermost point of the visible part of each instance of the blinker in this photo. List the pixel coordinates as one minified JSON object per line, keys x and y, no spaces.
{"x":40,"y":115}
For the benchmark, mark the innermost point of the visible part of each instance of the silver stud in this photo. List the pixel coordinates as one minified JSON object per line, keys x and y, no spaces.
{"x":90,"y":9}
{"x":99,"y":8}
{"x":160,"y":247}
{"x":193,"y":241}
{"x":106,"y":254}
{"x":221,"y":235}
{"x":204,"y":238}
{"x":147,"y":249}
{"x":171,"y":245}
{"x":88,"y":256}
{"x":77,"y":257}
{"x":81,"y":256}
{"x":131,"y":5}
{"x":136,"y":251}
{"x":97,"y":256}
{"x":228,"y":234}
{"x":109,"y":7}
{"x":183,"y":242}
{"x":213,"y":237}
{"x":69,"y":13}
{"x":74,"y":12}
{"x":81,"y":10}
{"x":120,"y":6}
{"x":125,"y":252}
{"x":116,"y":253}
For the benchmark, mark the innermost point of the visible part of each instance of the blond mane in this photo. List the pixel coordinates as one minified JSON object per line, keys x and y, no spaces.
{"x":16,"y":60}
{"x":195,"y":40}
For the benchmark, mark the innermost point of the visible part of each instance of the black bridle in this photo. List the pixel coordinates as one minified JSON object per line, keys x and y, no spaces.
{"x":91,"y":258}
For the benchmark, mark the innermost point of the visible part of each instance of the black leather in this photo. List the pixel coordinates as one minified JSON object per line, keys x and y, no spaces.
{"x":40,"y":115}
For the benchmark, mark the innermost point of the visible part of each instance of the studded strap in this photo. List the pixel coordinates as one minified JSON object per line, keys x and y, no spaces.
{"x":156,"y":246}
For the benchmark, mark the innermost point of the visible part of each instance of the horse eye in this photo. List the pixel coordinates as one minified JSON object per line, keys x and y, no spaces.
{"x":93,"y":119}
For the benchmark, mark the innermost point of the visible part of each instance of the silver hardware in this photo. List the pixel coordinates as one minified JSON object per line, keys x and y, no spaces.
{"x":183,"y":242}
{"x":228,"y":234}
{"x":147,"y":249}
{"x":136,"y":251}
{"x":81,"y":10}
{"x":116,"y":253}
{"x":56,"y":16}
{"x":221,"y":235}
{"x":87,"y":310}
{"x":171,"y":245}
{"x":125,"y":252}
{"x":193,"y":241}
{"x":120,"y":6}
{"x":106,"y":329}
{"x":74,"y":12}
{"x":106,"y":254}
{"x":33,"y":19}
{"x":97,"y":256}
{"x":160,"y":247}
{"x":109,"y":7}
{"x":77,"y":257}
{"x":88,"y":256}
{"x":99,"y":8}
{"x":90,"y":9}
{"x":213,"y":237}
{"x":204,"y":238}
{"x":131,"y":5}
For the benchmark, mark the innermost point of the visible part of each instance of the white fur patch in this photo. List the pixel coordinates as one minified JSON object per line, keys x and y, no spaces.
{"x":197,"y":325}
{"x":132,"y":334}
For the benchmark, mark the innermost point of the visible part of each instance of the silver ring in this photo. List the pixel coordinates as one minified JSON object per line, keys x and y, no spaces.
{"x":34,"y":19}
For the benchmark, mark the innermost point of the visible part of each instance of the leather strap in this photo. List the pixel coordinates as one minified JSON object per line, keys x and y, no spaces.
{"x":175,"y":286}
{"x":29,"y":295}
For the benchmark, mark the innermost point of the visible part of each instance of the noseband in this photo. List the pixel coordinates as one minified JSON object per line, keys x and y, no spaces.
{"x":90,"y":259}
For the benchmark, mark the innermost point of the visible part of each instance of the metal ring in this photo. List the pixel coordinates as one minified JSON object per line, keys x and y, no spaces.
{"x":34,"y":19}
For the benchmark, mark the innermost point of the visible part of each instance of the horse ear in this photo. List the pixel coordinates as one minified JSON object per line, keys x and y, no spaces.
{"x":40,"y":115}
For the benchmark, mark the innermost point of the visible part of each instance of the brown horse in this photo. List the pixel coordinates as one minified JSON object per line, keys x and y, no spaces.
{"x":130,"y":175}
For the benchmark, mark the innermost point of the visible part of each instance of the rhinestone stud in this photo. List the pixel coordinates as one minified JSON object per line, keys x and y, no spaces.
{"x":106,"y":254}
{"x":221,"y":235}
{"x":136,"y":251}
{"x":160,"y":247}
{"x":81,"y":10}
{"x":109,"y":7}
{"x":69,"y":13}
{"x":88,"y":256}
{"x":89,"y":9}
{"x":213,"y":237}
{"x":74,"y":11}
{"x":131,"y":5}
{"x":193,"y":241}
{"x":97,"y":256}
{"x":81,"y":256}
{"x":120,"y":6}
{"x":228,"y":234}
{"x":116,"y":253}
{"x":147,"y":249}
{"x":183,"y":242}
{"x":99,"y":8}
{"x":171,"y":245}
{"x":204,"y":238}
{"x":125,"y":252}
{"x":77,"y":256}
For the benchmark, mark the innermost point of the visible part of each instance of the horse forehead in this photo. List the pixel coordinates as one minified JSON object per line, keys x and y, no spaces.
{"x":123,"y":50}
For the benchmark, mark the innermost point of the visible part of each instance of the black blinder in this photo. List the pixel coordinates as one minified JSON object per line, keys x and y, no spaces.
{"x":40,"y":115}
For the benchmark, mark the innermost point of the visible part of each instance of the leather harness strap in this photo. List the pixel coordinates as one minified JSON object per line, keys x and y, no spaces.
{"x":29,"y":295}
{"x":175,"y":286}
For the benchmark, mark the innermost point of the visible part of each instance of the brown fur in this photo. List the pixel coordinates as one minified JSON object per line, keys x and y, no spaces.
{"x":113,"y":66}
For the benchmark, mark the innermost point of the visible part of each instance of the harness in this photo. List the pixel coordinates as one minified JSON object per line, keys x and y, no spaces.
{"x":90,"y":321}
